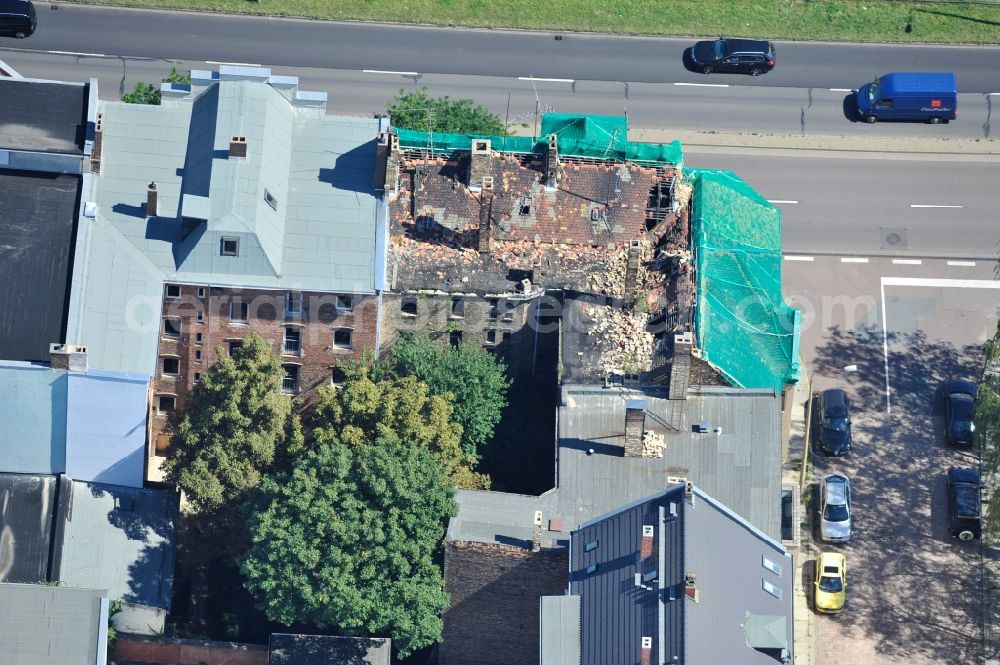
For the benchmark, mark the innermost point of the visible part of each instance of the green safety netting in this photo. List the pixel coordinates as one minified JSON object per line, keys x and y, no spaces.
{"x":743,"y":326}
{"x":590,"y":136}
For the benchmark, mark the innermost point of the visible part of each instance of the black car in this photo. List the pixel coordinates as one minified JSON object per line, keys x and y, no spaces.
{"x":959,"y":412}
{"x":964,"y":504}
{"x":738,"y":56}
{"x":833,"y":430}
{"x":17,"y":18}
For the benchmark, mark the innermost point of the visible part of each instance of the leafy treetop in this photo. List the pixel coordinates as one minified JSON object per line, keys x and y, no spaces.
{"x":417,"y":110}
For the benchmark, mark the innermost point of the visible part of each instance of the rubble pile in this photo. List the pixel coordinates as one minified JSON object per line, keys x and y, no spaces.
{"x":652,"y":444}
{"x":626,"y":346}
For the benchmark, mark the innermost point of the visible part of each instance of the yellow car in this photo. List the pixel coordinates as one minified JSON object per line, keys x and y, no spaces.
{"x":831,"y":582}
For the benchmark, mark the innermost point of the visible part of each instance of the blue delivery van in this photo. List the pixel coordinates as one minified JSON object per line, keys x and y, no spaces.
{"x":931,"y":97}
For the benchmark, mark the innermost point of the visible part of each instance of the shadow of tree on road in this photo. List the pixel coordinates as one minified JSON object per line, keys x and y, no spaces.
{"x":913,"y":591}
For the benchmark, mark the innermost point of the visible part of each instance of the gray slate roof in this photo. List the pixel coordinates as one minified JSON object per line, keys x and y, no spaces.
{"x":42,"y":625}
{"x":324,"y":232}
{"x":740,"y":467}
{"x":292,"y":649}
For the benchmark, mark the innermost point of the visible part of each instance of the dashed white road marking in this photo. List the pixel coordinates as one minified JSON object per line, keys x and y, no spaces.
{"x":383,"y":71}
{"x":798,"y":258}
{"x":535,"y":78}
{"x":967,"y":264}
{"x":233,"y":64}
{"x":907,"y":262}
{"x":853,"y":259}
{"x":705,"y":85}
{"x":931,"y":205}
{"x":841,"y":89}
{"x":780,"y":201}
{"x":89,"y":55}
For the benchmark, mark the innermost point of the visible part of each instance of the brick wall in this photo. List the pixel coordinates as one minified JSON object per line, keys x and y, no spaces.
{"x":187,"y":652}
{"x":495,"y":591}
{"x":210,"y":318}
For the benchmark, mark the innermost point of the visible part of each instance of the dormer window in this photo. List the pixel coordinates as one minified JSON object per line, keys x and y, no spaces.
{"x":230,"y":247}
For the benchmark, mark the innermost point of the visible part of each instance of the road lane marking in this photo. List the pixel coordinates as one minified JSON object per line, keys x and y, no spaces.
{"x":233,"y":64}
{"x":968,"y":264}
{"x":780,"y":201}
{"x":907,"y":262}
{"x":705,"y":85}
{"x":89,"y":55}
{"x":535,"y":78}
{"x":853,"y":259}
{"x":841,"y":89}
{"x":386,"y":71}
{"x":927,"y":205}
{"x":921,"y":281}
{"x":798,"y":258}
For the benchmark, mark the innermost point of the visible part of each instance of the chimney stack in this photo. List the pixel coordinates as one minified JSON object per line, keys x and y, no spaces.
{"x":485,"y":214}
{"x":552,"y":163}
{"x":151,"y":202}
{"x":68,"y":357}
{"x":680,"y":368}
{"x":536,"y":533}
{"x":95,"y":153}
{"x":635,"y":421}
{"x":632,"y":270}
{"x":646,"y":652}
{"x":646,"y":547}
{"x":387,"y":162}
{"x":237,"y":146}
{"x":479,"y":163}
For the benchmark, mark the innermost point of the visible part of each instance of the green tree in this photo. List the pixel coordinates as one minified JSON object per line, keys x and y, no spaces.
{"x":416,"y":109}
{"x":362,"y":410}
{"x":475,"y":379}
{"x":145,"y":93}
{"x":988,"y":432}
{"x":238,"y":425}
{"x":347,"y":540}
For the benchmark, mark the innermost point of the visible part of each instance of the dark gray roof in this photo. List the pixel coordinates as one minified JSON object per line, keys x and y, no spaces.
{"x":43,"y":625}
{"x":288,"y":649}
{"x":43,"y":116}
{"x":27,"y":510}
{"x":615,"y":613}
{"x":728,"y":555}
{"x":37,"y":226}
{"x":740,"y":466}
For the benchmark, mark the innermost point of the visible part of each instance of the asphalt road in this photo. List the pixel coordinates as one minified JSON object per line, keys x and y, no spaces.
{"x":359,"y":46}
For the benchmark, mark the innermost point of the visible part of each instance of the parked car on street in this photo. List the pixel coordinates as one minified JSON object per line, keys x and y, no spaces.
{"x":736,"y":56}
{"x":959,"y":412}
{"x":835,"y":509}
{"x":830,"y":581}
{"x":965,"y":519}
{"x":17,"y":18}
{"x":833,"y":431}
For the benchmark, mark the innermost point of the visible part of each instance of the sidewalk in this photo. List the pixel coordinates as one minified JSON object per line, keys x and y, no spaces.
{"x":804,"y":618}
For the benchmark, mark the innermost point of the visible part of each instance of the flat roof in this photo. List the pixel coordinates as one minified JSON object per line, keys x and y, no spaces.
{"x":38,"y":213}
{"x":43,"y":625}
{"x":43,"y":116}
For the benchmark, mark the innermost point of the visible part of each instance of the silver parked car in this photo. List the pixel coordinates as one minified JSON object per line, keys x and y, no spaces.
{"x":835,"y":508}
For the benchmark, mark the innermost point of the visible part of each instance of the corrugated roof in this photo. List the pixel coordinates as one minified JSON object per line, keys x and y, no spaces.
{"x":314,"y":230}
{"x":42,"y":625}
{"x":560,"y":630}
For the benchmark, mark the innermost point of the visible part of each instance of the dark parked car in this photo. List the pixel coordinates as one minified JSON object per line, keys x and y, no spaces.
{"x":833,"y":431}
{"x":738,"y":56}
{"x":17,"y":18}
{"x":959,"y":411}
{"x":964,"y":504}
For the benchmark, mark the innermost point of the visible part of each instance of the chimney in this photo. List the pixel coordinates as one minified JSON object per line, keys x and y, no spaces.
{"x":479,"y":163}
{"x":387,"y":162}
{"x":485,"y":214}
{"x":68,"y":356}
{"x":95,"y":153}
{"x":691,"y":586}
{"x":151,"y":204}
{"x":536,"y":533}
{"x":646,"y":653}
{"x":635,"y":420}
{"x":632,"y":270}
{"x":552,"y":163}
{"x":237,"y":146}
{"x":646,"y":549}
{"x":680,"y":368}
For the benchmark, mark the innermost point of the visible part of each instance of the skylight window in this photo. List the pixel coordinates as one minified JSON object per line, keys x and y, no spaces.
{"x":771,"y":589}
{"x":770,"y":565}
{"x":230,"y":246}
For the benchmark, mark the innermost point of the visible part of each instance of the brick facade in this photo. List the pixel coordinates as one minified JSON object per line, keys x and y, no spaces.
{"x":137,"y":649}
{"x":310,"y":331}
{"x":495,"y":591}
